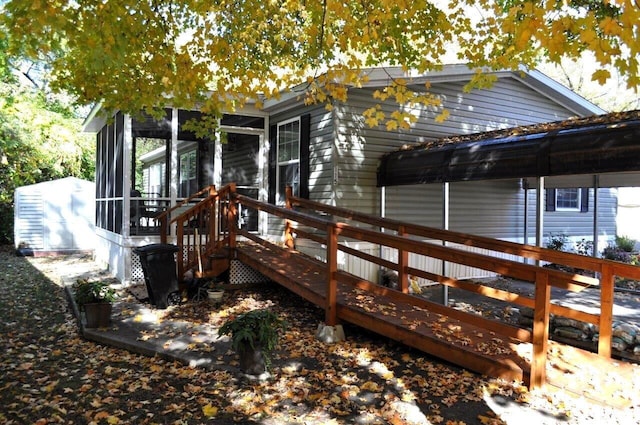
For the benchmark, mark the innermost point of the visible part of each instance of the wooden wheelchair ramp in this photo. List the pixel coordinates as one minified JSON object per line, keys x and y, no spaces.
{"x":485,"y":346}
{"x":430,"y":327}
{"x":425,"y":326}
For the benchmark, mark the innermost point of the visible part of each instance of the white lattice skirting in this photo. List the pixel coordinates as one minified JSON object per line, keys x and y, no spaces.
{"x":241,"y":273}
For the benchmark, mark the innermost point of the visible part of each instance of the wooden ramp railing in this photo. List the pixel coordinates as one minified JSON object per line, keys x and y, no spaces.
{"x":326,"y":226}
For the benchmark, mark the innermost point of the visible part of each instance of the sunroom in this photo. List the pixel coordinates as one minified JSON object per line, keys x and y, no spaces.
{"x":145,"y":165}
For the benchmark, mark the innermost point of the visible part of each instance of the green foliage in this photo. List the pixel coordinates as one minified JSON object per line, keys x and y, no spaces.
{"x":87,"y":292}
{"x":557,"y":241}
{"x":256,"y":329}
{"x":616,"y":254}
{"x":584,"y":247}
{"x":39,"y":141}
{"x":625,"y":243}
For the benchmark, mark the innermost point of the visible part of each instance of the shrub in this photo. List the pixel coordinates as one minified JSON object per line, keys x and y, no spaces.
{"x":87,"y":292}
{"x":616,"y":254}
{"x":255,"y":329}
{"x":584,"y":247}
{"x":625,"y":243}
{"x":557,"y":242}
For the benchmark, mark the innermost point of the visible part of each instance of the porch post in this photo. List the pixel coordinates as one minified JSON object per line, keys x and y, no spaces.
{"x":445,"y":226}
{"x":127,"y":166}
{"x":173,"y":162}
{"x":540,"y":212}
{"x":217,"y":158}
{"x":383,"y":213}
{"x":596,"y":187}
{"x":263,"y":170}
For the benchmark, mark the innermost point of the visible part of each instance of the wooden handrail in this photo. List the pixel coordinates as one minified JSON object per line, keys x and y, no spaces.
{"x":330,"y":230}
{"x":507,"y":247}
{"x":164,"y":216}
{"x":199,"y":229}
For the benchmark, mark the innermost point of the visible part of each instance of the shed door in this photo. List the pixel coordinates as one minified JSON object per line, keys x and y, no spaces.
{"x":29,"y":221}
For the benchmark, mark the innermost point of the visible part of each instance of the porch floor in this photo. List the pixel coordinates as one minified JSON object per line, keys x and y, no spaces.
{"x":418,"y":326}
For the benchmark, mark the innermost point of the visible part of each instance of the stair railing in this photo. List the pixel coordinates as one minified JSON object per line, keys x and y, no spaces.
{"x":202,"y":229}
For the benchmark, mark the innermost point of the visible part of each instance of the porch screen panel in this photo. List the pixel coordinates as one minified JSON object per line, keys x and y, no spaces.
{"x":119,"y":174}
{"x":104,"y":176}
{"x":111,"y":175}
{"x":100,"y":178}
{"x":240,"y":165}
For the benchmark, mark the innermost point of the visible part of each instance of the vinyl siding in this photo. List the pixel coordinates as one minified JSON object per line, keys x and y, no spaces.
{"x":508,"y":103}
{"x":578,"y":225}
{"x":345,"y":153}
{"x":494,"y":209}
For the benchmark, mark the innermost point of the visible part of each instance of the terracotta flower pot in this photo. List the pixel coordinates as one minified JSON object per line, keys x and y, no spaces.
{"x":98,"y":315}
{"x":251,"y":361}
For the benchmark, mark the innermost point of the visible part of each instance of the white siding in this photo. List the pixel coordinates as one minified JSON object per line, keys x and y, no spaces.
{"x":55,"y":215}
{"x":29,"y":219}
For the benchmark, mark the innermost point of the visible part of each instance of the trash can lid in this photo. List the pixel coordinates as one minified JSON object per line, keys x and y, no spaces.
{"x":155,"y":248}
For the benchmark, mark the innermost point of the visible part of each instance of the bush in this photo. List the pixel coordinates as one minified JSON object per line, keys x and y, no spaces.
{"x":625,"y":243}
{"x":557,"y":242}
{"x":584,"y":247}
{"x":616,"y":254}
{"x":87,"y":292}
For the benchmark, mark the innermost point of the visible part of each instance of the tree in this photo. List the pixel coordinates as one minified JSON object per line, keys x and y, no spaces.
{"x":612,"y":96}
{"x":40,"y":135}
{"x":132,"y":54}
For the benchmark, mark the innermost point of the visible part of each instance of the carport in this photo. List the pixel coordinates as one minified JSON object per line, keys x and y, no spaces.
{"x":599,"y":151}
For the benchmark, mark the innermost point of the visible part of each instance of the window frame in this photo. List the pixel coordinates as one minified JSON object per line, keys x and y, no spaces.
{"x":578,"y":199}
{"x":280,"y":197}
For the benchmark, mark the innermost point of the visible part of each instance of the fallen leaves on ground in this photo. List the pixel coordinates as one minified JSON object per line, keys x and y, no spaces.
{"x":49,"y":374}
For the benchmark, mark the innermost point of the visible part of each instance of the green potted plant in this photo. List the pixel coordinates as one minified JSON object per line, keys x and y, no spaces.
{"x":94,"y":298}
{"x":254,"y":336}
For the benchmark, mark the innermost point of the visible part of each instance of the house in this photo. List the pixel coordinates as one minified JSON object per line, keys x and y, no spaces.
{"x":332,"y":156}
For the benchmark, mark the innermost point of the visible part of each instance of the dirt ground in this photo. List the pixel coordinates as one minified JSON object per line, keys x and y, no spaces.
{"x":49,"y":374}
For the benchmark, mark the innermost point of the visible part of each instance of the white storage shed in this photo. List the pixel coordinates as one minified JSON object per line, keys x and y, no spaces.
{"x":55,"y":217}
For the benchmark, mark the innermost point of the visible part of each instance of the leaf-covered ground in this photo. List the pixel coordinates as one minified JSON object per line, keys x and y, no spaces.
{"x":49,"y":374}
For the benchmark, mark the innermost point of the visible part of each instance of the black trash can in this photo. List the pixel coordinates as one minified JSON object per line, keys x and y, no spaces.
{"x":159,"y":268}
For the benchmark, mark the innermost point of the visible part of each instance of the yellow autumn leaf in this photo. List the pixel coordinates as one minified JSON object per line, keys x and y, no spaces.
{"x":210,"y":411}
{"x":370,"y":386}
{"x":442,"y":116}
{"x":601,"y":76}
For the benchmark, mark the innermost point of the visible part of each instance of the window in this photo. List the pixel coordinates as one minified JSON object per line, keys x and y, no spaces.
{"x":288,"y":167}
{"x":568,"y":199}
{"x":188,"y":174}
